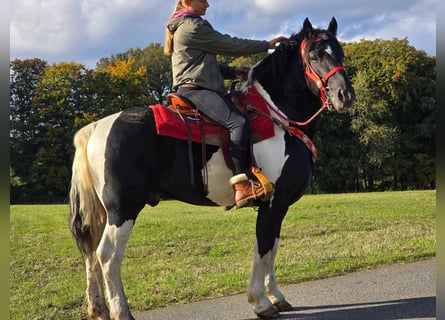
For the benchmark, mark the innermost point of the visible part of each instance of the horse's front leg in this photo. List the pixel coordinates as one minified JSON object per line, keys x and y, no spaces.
{"x":263,"y":292}
{"x":110,"y":253}
{"x":274,"y":294}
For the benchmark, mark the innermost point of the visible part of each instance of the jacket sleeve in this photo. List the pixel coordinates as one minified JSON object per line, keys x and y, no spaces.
{"x":206,"y":38}
{"x":227,"y":71}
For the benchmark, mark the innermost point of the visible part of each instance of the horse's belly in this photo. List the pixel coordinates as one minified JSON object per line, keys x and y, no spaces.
{"x":219,"y":189}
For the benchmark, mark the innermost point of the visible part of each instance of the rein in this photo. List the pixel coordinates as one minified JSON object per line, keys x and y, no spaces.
{"x":280,"y":121}
{"x":298,"y":123}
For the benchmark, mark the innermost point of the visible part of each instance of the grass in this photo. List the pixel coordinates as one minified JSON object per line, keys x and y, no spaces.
{"x":180,"y":253}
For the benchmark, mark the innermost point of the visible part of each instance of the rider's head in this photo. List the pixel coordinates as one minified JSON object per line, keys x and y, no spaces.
{"x":196,"y":6}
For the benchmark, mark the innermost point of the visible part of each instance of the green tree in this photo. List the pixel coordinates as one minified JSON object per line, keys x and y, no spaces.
{"x":24,"y":78}
{"x":158,"y":79}
{"x":336,"y":165}
{"x":399,"y":83}
{"x":374,"y":127}
{"x":59,"y":97}
{"x":243,"y":61}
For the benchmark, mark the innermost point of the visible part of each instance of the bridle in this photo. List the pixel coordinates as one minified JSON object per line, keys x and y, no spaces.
{"x":310,"y":74}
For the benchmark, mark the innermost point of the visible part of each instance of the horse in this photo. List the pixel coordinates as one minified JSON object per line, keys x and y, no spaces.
{"x":121,"y":163}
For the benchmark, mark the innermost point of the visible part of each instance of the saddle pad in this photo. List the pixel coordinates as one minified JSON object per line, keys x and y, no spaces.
{"x":169,"y":124}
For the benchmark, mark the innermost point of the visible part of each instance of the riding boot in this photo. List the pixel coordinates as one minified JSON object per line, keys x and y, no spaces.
{"x":246,"y":190}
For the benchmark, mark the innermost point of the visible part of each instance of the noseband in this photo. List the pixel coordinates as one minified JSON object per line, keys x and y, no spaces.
{"x":312,"y":75}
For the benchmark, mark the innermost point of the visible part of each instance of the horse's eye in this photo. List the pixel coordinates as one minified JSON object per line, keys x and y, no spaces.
{"x":313,"y":56}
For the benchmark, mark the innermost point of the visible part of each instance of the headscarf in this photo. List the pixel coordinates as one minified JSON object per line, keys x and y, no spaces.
{"x":183,"y":13}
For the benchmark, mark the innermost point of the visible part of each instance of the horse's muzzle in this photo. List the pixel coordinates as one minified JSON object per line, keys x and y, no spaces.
{"x":341,"y":99}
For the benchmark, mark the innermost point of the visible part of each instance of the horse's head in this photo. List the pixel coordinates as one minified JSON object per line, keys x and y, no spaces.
{"x":322,"y":57}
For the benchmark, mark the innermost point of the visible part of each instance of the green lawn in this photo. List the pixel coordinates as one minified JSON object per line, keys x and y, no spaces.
{"x":180,"y":253}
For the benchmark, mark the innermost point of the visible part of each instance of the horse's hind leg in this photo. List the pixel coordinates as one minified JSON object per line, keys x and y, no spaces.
{"x":110,"y":253}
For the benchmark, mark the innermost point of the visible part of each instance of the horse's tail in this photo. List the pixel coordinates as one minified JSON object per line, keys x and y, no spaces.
{"x":87,"y":214}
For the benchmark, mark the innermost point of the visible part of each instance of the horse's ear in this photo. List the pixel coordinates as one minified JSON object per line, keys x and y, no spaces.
{"x":307,"y":27}
{"x":333,"y":26}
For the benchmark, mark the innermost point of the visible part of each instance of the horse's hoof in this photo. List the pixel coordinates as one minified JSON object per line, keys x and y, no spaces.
{"x":282,"y":306}
{"x":270,"y":313}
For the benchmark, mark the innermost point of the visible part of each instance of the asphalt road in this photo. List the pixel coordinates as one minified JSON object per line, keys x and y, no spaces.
{"x":404,"y":291}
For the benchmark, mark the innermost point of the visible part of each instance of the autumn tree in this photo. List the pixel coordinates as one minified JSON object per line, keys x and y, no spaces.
{"x":151,"y":70}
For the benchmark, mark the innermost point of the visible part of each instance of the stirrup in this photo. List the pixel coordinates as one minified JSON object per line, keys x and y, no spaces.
{"x":265,"y":183}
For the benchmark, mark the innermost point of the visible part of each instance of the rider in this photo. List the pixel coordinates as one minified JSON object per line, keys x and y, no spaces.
{"x":194,"y":44}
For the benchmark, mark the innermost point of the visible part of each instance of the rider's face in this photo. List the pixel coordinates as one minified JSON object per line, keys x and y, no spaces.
{"x":198,"y":6}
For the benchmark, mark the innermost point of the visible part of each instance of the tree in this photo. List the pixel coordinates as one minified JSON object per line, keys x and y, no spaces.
{"x":336,"y":165}
{"x":58,"y":101}
{"x":155,"y":83}
{"x":373,"y":125}
{"x":401,"y":81}
{"x":24,"y":78}
{"x":244,"y":61}
{"x":158,"y":79}
{"x":124,"y":82}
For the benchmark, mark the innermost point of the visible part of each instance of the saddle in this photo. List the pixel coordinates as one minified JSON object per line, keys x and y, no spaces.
{"x":185,"y":109}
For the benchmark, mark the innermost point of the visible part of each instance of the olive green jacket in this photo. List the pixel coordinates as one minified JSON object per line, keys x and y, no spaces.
{"x":195,"y":47}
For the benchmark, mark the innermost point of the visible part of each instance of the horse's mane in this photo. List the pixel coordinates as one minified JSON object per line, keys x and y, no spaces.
{"x":287,"y":52}
{"x":281,"y":72}
{"x":276,"y":63}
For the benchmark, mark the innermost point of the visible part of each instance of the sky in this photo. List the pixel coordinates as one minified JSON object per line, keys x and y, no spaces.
{"x":85,"y":31}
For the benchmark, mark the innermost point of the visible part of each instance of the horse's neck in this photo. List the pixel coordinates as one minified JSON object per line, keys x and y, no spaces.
{"x":298,"y":103}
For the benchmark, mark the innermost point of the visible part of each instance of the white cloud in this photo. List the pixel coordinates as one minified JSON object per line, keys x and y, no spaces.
{"x":416,"y":21}
{"x":106,"y":17}
{"x":87,"y":30}
{"x":43,"y":26}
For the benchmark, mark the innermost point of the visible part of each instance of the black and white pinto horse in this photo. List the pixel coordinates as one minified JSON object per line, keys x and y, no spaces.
{"x":121,"y":164}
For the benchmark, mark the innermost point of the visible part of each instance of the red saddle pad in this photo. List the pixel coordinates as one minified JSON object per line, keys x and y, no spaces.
{"x":170,"y":124}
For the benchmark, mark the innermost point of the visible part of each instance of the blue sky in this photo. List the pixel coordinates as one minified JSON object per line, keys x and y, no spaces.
{"x":87,"y":30}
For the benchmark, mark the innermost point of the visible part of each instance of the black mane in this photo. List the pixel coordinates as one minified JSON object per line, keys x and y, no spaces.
{"x":281,"y":74}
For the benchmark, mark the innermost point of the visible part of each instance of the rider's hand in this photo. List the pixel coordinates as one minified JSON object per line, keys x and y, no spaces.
{"x":242,"y":72}
{"x":274,"y":41}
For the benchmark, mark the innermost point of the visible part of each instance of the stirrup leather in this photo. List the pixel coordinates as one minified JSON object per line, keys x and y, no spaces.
{"x":265,"y":183}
